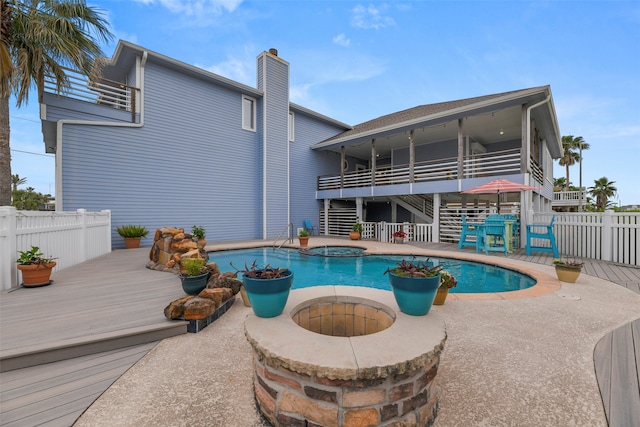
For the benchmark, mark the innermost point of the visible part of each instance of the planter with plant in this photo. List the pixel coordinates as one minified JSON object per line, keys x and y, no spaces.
{"x":399,"y":236}
{"x":447,"y":281}
{"x":132,"y":235}
{"x":198,"y":232}
{"x":35,"y":267}
{"x":414,"y":286}
{"x":356,"y":231}
{"x":193,"y":275}
{"x":568,"y":270}
{"x":268,"y":288}
{"x":303,"y":237}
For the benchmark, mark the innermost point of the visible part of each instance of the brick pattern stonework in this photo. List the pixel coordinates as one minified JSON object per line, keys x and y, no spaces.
{"x":287,"y":398}
{"x":343,"y":319}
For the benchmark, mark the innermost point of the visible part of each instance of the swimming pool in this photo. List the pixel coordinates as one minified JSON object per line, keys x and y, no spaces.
{"x":369,"y":270}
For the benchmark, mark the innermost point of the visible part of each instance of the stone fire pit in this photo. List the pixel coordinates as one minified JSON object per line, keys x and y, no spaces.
{"x":346,"y":356}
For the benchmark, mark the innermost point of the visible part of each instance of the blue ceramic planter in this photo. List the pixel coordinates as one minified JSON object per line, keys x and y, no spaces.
{"x":268,"y":296}
{"x":193,"y":285}
{"x":414,"y":295}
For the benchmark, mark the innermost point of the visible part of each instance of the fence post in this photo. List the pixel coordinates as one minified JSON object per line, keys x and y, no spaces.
{"x":107,"y":247}
{"x":82,"y":214}
{"x":8,"y":251}
{"x":607,"y":235}
{"x":435,"y":225}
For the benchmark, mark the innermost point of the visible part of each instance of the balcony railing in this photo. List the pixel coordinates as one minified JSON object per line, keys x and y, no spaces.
{"x":100,"y":91}
{"x":569,"y":198}
{"x":488,"y":164}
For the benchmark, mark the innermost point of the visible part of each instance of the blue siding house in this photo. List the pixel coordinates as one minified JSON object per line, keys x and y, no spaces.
{"x":163,"y":143}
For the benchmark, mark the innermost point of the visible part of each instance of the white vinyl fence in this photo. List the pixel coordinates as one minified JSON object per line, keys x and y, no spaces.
{"x":70,"y":237}
{"x":608,"y":236}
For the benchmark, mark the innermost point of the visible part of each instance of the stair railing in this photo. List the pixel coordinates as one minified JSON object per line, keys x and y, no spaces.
{"x":288,"y":238}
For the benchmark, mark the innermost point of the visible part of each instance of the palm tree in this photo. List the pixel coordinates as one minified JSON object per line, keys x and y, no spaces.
{"x":16,"y":180}
{"x":560,"y":182}
{"x":38,"y":39}
{"x":570,"y":156}
{"x":602,"y":189}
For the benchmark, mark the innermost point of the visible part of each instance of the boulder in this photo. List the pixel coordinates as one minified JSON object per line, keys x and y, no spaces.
{"x":199,"y":308}
{"x":175,"y":309}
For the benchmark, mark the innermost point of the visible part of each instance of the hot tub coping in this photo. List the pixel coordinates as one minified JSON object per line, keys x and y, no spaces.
{"x":410,"y":342}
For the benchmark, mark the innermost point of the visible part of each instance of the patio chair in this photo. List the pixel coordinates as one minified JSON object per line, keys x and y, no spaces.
{"x":492,"y":237}
{"x":467,"y":230}
{"x":545,"y":232}
{"x":310,"y":228}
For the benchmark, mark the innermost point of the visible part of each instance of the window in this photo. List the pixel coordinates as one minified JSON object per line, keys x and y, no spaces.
{"x":291,"y":122}
{"x":248,"y":113}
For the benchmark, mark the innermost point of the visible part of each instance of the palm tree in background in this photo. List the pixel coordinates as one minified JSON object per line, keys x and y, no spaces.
{"x":16,"y":180}
{"x":38,"y":39}
{"x":571,"y":155}
{"x":560,"y":182}
{"x":602,"y":189}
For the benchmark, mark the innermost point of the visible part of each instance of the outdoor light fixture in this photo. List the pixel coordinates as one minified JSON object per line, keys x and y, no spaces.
{"x":501,"y":131}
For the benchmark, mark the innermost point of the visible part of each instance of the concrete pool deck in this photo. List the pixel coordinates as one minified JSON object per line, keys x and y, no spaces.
{"x":524,"y":361}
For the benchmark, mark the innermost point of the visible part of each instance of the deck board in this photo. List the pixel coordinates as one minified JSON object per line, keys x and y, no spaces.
{"x":123,"y":295}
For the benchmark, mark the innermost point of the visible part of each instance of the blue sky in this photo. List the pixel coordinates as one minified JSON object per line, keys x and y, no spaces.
{"x":355,"y":61}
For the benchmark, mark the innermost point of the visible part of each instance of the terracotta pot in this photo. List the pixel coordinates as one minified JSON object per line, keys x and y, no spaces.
{"x":245,"y":296}
{"x":567,"y":274}
{"x":132,"y":242}
{"x":36,"y":274}
{"x":354,"y":235}
{"x":304,"y":241}
{"x":441,"y":295}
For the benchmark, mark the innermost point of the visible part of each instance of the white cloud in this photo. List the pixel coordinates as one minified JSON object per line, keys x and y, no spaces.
{"x":342,"y":40}
{"x":371,"y":17}
{"x":240,"y":69}
{"x":196,"y":7}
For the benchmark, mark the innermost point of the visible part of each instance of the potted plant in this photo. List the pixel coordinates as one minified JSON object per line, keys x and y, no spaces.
{"x":132,"y":234}
{"x":447,"y":281}
{"x":414,"y":286}
{"x":268,"y":288}
{"x":35,"y":267}
{"x":193,"y":275}
{"x":303,"y":237}
{"x":567,"y":269}
{"x":356,"y":231}
{"x":399,"y":236}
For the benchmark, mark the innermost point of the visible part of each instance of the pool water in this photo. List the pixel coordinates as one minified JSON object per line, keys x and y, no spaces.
{"x":368,"y":270}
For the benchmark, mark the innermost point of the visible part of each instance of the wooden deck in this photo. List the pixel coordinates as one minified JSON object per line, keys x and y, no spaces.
{"x":62,"y":345}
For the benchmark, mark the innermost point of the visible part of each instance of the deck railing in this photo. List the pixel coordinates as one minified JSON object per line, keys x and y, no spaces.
{"x":569,"y":198}
{"x":98,"y":91}
{"x":70,"y":237}
{"x":487,"y":164}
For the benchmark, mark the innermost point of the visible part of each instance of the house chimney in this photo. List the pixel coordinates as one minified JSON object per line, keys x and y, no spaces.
{"x":273,"y":52}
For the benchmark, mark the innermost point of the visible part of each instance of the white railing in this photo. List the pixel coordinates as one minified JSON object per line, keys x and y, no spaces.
{"x":101,"y":91}
{"x":383,"y":231}
{"x":70,"y":237}
{"x":495,"y":163}
{"x":569,"y":198}
{"x":608,"y":236}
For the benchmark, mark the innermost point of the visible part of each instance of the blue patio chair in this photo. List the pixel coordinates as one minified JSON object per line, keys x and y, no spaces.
{"x":542,"y":231}
{"x":310,"y":228}
{"x":492,"y":237}
{"x":467,"y":230}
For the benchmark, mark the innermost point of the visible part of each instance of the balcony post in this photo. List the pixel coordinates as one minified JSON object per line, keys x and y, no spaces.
{"x":412,"y":156}
{"x":373,"y":162}
{"x":460,"y":171}
{"x":343,"y":159}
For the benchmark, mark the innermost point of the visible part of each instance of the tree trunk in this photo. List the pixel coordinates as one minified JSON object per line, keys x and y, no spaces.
{"x":5,"y":153}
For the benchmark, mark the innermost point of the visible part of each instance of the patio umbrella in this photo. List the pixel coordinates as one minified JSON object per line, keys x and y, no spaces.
{"x":499,"y":186}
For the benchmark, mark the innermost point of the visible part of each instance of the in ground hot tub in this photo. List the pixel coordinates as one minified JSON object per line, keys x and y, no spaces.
{"x":341,"y":356}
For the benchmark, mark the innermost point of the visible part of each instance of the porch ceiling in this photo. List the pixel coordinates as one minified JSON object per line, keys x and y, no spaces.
{"x":484,"y":128}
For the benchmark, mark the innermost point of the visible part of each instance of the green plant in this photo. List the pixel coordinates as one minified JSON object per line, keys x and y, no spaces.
{"x":303,"y":233}
{"x":193,"y":266}
{"x":33,"y":257}
{"x":568,"y":262}
{"x":132,"y":231}
{"x":447,"y":280}
{"x":357,"y":227}
{"x":414,"y":269}
{"x":268,"y":272}
{"x":198,"y":232}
